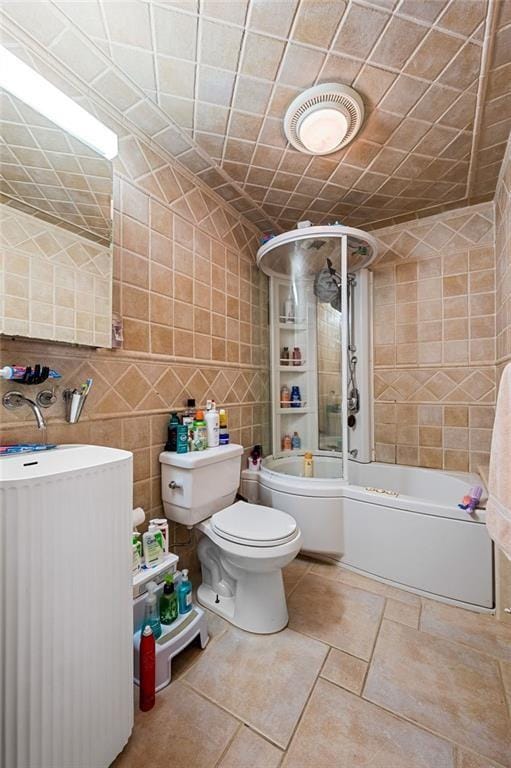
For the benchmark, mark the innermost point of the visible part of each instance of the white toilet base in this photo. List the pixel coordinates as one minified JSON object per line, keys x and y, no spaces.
{"x":259,"y":605}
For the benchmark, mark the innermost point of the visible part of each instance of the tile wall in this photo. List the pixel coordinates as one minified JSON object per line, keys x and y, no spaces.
{"x":194,"y":309}
{"x":434,"y":340}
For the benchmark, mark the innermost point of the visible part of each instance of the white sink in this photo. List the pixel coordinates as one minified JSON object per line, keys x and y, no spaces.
{"x":57,"y":461}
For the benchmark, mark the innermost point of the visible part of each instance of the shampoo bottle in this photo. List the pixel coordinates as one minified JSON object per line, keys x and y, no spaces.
{"x":213,"y":425}
{"x":308,"y":465}
{"x":168,"y":601}
{"x":185,"y":593}
{"x":153,"y":545}
{"x":151,"y":612}
{"x":174,"y":422}
{"x":224,"y":431}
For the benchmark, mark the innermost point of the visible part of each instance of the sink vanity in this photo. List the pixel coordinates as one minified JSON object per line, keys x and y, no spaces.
{"x":65,"y":584}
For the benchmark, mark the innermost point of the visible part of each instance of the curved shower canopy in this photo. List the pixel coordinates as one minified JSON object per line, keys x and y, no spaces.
{"x":303,"y":252}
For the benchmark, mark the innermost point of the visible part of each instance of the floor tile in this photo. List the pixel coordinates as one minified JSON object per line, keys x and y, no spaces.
{"x":248,"y":750}
{"x":262,"y":679}
{"x":183,"y":730}
{"x":444,"y":686}
{"x":345,"y":670}
{"x":478,"y":630}
{"x":402,"y":612}
{"x":336,"y":613}
{"x":341,"y":730}
{"x":363,"y":582}
{"x":187,"y":658}
{"x":293,"y":572}
{"x":469,"y":760}
{"x":505,"y":668}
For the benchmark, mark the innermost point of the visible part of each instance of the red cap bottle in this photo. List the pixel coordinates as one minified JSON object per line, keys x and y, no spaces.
{"x":147,"y":670}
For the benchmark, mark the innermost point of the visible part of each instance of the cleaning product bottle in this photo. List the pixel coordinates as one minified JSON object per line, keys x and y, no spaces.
{"x":308,"y":464}
{"x":168,"y":601}
{"x":151,"y":612}
{"x":213,"y":425}
{"x":174,"y":422}
{"x":200,"y":432}
{"x":185,"y":593}
{"x":147,"y":666}
{"x":153,"y":545}
{"x":224,"y":432}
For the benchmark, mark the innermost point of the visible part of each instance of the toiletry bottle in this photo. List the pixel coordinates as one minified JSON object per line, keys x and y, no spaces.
{"x":137,"y":553}
{"x":288,"y":443}
{"x":200,"y":432}
{"x":152,"y":542}
{"x":168,"y":601}
{"x":213,"y":425}
{"x":162,"y":524}
{"x":308,"y":464}
{"x":297,"y":356}
{"x":182,"y":438}
{"x":296,"y":443}
{"x":284,"y":356}
{"x":188,"y":417}
{"x":224,"y":432}
{"x":151,"y":612}
{"x":289,"y":308}
{"x":285,"y":397}
{"x":296,"y":398}
{"x":185,"y":593}
{"x":174,"y":422}
{"x":147,"y":666}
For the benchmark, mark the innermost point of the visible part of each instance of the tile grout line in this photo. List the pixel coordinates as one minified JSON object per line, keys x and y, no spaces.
{"x":228,"y":745}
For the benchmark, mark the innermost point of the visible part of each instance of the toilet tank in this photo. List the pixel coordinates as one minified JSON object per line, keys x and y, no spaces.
{"x":195,"y":485}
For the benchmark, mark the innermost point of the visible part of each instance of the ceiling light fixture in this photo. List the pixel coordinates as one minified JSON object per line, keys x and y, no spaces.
{"x":324,"y":118}
{"x":26,"y":84}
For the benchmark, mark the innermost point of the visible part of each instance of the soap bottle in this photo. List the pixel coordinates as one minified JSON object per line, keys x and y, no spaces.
{"x":224,"y":433}
{"x":168,"y":601}
{"x":308,"y":464}
{"x":213,"y":424}
{"x":153,"y":545}
{"x":284,"y":356}
{"x":285,"y":397}
{"x":297,"y":356}
{"x":200,"y":432}
{"x":287,"y":443}
{"x":296,"y":443}
{"x":296,"y":398}
{"x":151,"y":612}
{"x":174,"y":422}
{"x":185,"y":593}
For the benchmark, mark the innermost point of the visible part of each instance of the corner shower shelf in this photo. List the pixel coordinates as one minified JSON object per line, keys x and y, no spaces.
{"x":294,"y":411}
{"x":293,"y":326}
{"x":294,"y":369}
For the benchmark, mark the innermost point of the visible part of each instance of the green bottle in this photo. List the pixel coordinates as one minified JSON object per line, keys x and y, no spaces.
{"x":168,"y":601}
{"x":172,"y":432}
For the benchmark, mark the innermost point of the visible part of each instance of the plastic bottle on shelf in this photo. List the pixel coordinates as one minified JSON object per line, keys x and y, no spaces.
{"x":296,"y":443}
{"x":284,"y":356}
{"x":151,"y":610}
{"x":296,"y":398}
{"x":297,"y":356}
{"x":308,"y":465}
{"x":147,"y":669}
{"x":285,"y":397}
{"x":184,"y":593}
{"x":224,"y":430}
{"x":287,"y":443}
{"x":213,"y":424}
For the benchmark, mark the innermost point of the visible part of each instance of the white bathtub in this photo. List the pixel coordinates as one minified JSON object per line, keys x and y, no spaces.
{"x":415,"y":537}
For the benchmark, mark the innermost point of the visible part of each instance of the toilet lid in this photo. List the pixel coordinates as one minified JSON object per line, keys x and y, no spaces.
{"x":253,"y":525}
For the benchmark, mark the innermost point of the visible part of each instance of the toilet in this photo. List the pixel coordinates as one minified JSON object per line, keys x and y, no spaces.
{"x":243,"y":547}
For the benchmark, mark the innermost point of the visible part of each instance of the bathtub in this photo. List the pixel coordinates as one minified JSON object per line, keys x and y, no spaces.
{"x":398,"y":524}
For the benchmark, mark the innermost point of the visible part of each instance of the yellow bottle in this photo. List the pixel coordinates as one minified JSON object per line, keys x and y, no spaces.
{"x":308,"y":464}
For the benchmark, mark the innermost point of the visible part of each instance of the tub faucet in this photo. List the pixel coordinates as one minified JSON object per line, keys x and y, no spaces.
{"x":13,"y":400}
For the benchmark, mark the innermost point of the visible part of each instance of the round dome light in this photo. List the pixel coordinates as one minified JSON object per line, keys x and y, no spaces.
{"x":322,"y":130}
{"x":324,"y":118}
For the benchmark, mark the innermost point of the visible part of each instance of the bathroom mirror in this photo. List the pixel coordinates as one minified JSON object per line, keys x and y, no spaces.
{"x":55,"y":231}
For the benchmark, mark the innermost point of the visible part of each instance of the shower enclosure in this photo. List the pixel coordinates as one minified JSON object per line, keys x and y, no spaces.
{"x":320,"y":342}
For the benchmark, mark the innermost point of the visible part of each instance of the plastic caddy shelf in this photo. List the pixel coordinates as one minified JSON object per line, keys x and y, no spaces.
{"x":174,"y":638}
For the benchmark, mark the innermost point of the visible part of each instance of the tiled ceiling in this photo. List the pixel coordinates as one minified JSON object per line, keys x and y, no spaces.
{"x":45,"y":171}
{"x":210,"y":80}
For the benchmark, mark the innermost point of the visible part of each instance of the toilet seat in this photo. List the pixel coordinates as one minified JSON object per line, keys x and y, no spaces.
{"x":253,"y":525}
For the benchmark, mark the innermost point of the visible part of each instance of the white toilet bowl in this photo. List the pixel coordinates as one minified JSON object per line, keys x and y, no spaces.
{"x":243,"y":547}
{"x":242,"y":552}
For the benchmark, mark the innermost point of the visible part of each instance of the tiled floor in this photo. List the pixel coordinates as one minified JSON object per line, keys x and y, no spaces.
{"x":365,"y":676}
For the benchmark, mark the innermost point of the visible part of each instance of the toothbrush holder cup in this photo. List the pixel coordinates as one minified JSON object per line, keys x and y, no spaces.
{"x":74,"y":405}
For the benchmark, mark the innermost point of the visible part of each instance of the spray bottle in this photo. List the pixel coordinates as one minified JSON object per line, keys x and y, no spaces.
{"x":151,"y":611}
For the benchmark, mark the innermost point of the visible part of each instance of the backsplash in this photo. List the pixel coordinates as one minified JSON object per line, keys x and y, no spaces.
{"x":434,"y":340}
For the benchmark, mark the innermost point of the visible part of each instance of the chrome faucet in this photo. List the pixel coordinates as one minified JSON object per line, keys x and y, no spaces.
{"x":13,"y":400}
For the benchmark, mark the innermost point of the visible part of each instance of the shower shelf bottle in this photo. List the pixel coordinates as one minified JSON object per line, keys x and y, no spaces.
{"x":185,"y":593}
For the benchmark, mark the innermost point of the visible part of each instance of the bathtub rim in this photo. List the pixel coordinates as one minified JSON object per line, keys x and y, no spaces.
{"x":337,"y":488}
